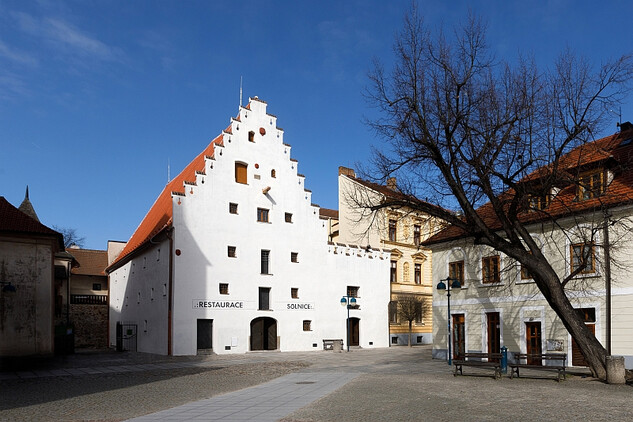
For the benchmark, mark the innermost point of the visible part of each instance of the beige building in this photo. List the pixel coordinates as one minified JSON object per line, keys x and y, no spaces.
{"x":582,"y":227}
{"x":401,"y":231}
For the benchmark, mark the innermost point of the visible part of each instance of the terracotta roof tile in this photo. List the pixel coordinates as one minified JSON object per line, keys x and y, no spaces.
{"x":328,"y":213}
{"x":91,"y":262}
{"x":160,"y":214}
{"x":12,"y":220}
{"x":602,"y":152}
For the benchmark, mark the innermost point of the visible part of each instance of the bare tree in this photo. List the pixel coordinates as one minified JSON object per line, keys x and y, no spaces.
{"x":472,"y":132}
{"x":71,"y":237}
{"x":410,"y":309}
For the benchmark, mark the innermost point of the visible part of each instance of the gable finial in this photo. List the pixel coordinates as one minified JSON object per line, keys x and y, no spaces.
{"x":27,"y":192}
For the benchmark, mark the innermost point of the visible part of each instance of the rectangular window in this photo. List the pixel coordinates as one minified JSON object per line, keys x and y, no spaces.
{"x":352,"y":291}
{"x":538,"y":202}
{"x":456,"y":271}
{"x":96,"y":286}
{"x":294,"y":292}
{"x":265,"y":262}
{"x":583,"y":254}
{"x":224,"y":288}
{"x":490,"y":270}
{"x":591,"y":184}
{"x":288,"y":217}
{"x":392,"y":230}
{"x":240,"y":173}
{"x":416,"y":235}
{"x":264,"y":298}
{"x":307,"y":325}
{"x":417,"y":274}
{"x":393,"y":275}
{"x":294,"y":257}
{"x":232,"y":251}
{"x":232,"y":208}
{"x":262,"y":215}
{"x":418,"y":312}
{"x":394,"y":340}
{"x":393,"y":312}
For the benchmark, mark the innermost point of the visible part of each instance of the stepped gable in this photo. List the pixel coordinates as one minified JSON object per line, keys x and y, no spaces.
{"x":159,"y":217}
{"x":12,"y":220}
{"x":91,"y":261}
{"x":607,"y":152}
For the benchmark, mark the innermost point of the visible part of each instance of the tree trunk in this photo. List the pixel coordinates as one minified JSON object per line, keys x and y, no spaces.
{"x":593,"y":352}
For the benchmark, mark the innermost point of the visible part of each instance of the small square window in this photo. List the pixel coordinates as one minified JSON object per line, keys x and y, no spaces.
{"x":352,"y":291}
{"x":307,"y":325}
{"x":394,"y":340}
{"x":294,"y":257}
{"x":224,"y":288}
{"x":232,"y":251}
{"x":96,"y":286}
{"x":232,"y":208}
{"x":288,"y":217}
{"x":294,"y":293}
{"x":262,"y":215}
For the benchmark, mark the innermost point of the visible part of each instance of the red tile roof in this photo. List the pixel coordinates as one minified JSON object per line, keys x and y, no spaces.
{"x":328,"y":213}
{"x":14,"y":221}
{"x":159,"y":217}
{"x":91,"y":262}
{"x":605,"y":152}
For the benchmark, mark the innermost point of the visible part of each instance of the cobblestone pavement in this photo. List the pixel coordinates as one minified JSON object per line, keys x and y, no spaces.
{"x":379,"y":384}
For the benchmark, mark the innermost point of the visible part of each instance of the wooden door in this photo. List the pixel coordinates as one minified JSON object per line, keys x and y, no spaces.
{"x":493,"y":323}
{"x":577,"y":359}
{"x":459,"y":338}
{"x":533,"y":342}
{"x":354,"y":331}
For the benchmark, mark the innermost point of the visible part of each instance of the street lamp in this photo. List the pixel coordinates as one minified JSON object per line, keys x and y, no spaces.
{"x":350,"y":302}
{"x":441,"y":286}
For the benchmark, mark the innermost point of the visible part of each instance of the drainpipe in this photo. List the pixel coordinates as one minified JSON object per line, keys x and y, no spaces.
{"x":170,"y":298}
{"x":607,"y":277}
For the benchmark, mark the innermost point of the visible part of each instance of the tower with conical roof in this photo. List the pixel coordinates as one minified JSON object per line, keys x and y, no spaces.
{"x":26,"y":207}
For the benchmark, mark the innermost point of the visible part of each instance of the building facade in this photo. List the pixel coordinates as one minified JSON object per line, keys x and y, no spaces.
{"x":233,"y":257}
{"x":401,"y":231}
{"x":27,"y":276}
{"x":585,"y":236}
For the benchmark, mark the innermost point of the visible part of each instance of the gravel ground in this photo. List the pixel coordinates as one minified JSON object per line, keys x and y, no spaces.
{"x":442,"y":397}
{"x":115,"y":397}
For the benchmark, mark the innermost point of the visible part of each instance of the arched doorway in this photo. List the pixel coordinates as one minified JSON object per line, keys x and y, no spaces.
{"x":264,"y":334}
{"x":354,"y":330}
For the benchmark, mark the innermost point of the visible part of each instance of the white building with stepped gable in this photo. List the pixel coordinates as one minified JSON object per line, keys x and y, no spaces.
{"x":233,"y":256}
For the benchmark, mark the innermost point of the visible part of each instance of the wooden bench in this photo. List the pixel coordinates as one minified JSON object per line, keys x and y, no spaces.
{"x":492,"y":360}
{"x":542,"y":361}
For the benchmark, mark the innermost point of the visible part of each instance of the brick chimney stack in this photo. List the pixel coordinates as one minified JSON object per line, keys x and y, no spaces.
{"x":391,"y":183}
{"x":346,"y":171}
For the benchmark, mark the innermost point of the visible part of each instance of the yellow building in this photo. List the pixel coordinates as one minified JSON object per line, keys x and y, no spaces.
{"x":401,"y":230}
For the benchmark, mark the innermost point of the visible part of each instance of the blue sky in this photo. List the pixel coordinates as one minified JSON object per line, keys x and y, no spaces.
{"x":97,"y":96}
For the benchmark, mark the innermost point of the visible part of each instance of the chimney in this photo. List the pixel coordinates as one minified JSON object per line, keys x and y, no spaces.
{"x":346,"y":171}
{"x":391,"y":183}
{"x":625,"y":126}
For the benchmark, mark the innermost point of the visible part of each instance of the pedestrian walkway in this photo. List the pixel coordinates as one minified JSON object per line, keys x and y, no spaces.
{"x":266,"y":402}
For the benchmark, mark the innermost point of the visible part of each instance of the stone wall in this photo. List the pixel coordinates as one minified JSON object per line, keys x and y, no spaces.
{"x":91,"y":325}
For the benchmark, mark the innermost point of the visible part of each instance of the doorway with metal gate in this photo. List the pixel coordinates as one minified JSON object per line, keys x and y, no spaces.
{"x":264,"y":334}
